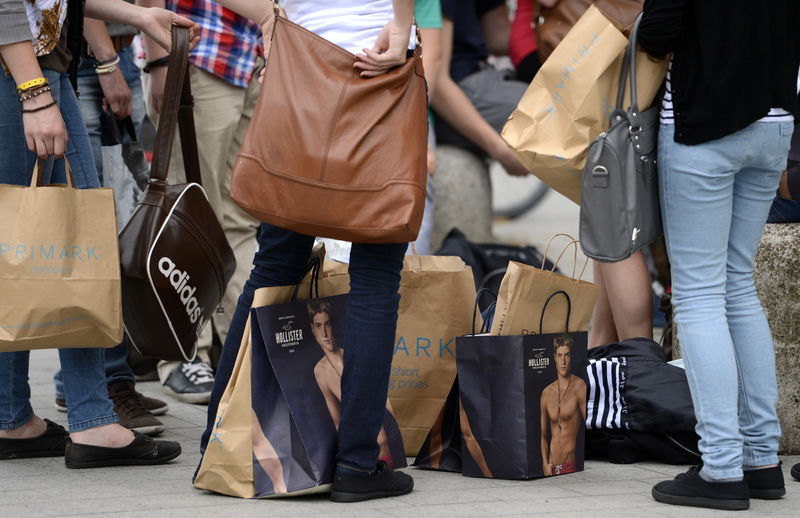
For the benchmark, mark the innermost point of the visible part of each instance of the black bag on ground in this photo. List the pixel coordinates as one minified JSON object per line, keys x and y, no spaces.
{"x":639,"y":406}
{"x":489,"y":260}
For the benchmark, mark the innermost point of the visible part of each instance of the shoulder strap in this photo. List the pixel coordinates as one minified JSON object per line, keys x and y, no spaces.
{"x":176,"y":111}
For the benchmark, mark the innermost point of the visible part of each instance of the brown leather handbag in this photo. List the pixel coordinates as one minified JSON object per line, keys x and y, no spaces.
{"x":329,"y":153}
{"x":553,"y":23}
{"x":176,"y":261}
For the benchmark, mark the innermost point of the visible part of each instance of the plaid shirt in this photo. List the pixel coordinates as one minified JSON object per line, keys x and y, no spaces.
{"x":229,"y":43}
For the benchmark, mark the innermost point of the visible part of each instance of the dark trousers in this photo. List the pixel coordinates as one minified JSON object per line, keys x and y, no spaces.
{"x":369,"y":336}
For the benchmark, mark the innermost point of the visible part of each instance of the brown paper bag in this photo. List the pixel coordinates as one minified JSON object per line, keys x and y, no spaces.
{"x":569,"y":101}
{"x":437,"y":295}
{"x":227,"y":464}
{"x":525,"y":289}
{"x":59,"y":267}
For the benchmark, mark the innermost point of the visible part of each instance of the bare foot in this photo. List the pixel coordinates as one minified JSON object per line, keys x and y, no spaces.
{"x":110,"y":436}
{"x":33,"y":428}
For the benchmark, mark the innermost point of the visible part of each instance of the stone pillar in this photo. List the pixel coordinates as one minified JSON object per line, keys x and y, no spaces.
{"x":462,"y":196}
{"x":777,"y":278}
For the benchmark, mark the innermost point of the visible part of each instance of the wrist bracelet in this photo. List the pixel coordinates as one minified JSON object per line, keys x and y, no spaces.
{"x":31,"y":93}
{"x":107,"y":67}
{"x":39,"y":108}
{"x":156,"y":63}
{"x":33,"y":83}
{"x":109,"y":61}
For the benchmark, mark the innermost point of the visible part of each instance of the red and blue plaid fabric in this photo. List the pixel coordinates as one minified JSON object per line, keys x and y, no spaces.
{"x":229,"y":43}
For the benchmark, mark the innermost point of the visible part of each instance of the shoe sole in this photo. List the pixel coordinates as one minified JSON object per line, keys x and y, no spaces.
{"x":60,"y":408}
{"x":104,"y":463}
{"x":158,"y":411}
{"x":341,"y":496}
{"x":195,"y":399}
{"x":767,"y":494}
{"x":30,"y":455}
{"x":700,"y":501}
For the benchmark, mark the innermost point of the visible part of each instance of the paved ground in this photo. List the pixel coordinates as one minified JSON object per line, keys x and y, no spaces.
{"x":44,"y":487}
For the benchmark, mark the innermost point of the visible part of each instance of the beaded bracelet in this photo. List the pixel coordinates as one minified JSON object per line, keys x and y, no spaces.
{"x":33,"y":83}
{"x":39,"y":108}
{"x":30,"y":94}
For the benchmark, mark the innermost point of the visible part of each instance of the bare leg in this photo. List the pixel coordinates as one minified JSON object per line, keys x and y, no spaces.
{"x":267,"y":457}
{"x":630,"y":300}
{"x":603,"y":330}
{"x":472,"y":444}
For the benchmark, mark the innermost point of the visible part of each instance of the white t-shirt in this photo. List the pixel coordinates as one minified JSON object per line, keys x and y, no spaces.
{"x":351,"y":24}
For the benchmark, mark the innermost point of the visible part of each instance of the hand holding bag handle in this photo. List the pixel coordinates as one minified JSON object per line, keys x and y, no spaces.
{"x":177,"y":110}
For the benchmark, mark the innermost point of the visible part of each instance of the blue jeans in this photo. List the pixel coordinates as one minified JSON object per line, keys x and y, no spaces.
{"x":91,"y":106}
{"x":369,"y":335}
{"x":784,"y":211}
{"x":84,"y":379}
{"x":714,"y":202}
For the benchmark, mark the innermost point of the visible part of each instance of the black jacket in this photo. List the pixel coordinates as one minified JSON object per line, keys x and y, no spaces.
{"x":733,"y":60}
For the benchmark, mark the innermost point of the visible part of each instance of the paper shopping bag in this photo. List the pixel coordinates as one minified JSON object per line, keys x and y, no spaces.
{"x":227,"y":465}
{"x":523,"y":401}
{"x":436,"y":295}
{"x":525,"y":289}
{"x":571,"y":98}
{"x":59,"y":267}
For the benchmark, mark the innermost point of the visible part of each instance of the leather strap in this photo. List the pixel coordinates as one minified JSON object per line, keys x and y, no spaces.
{"x":176,"y":110}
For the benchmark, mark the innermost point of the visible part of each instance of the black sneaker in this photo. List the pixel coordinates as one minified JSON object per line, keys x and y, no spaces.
{"x":129,"y":407}
{"x":381,"y":483}
{"x":143,"y":450}
{"x":690,"y":489}
{"x":191,"y":382}
{"x":796,"y":471}
{"x":766,"y":483}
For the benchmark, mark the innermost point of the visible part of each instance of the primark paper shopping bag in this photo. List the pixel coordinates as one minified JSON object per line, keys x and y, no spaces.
{"x":296,"y":406}
{"x":571,"y":98}
{"x":523,"y":401}
{"x":436,"y":294}
{"x":59,"y":267}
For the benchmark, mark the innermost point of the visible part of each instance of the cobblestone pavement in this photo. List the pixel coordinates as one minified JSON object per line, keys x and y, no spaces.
{"x":44,"y":487}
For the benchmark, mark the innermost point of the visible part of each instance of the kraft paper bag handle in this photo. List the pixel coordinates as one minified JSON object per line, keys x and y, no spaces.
{"x":480,"y":292}
{"x":546,"y":302}
{"x":36,"y":177}
{"x":574,"y":242}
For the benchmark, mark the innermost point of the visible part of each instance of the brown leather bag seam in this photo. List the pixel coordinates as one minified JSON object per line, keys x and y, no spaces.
{"x":332,"y":131}
{"x":315,"y":183}
{"x":321,"y":225}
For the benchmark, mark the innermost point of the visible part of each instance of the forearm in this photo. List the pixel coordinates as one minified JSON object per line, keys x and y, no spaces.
{"x":117,"y":11}
{"x":432,"y":58}
{"x":152,"y":50}
{"x":21,"y":61}
{"x":256,"y":10}
{"x":450,"y":103}
{"x":98,"y":39}
{"x":403,"y":11}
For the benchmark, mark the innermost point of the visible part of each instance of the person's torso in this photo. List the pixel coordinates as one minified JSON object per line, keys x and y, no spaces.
{"x":469,"y":45}
{"x":228,"y":44}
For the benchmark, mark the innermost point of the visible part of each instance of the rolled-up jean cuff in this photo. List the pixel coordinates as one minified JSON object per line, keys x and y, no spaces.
{"x":93,"y":423}
{"x":18,"y":422}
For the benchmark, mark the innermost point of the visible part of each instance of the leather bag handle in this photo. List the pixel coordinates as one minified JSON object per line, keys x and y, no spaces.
{"x":176,"y":110}
{"x":629,"y":65}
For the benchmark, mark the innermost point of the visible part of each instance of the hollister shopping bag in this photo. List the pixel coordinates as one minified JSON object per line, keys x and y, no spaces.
{"x":436,"y":294}
{"x":296,"y":396}
{"x":569,"y":101}
{"x":523,"y":402}
{"x":227,"y":466}
{"x":59,"y":267}
{"x":525,"y":289}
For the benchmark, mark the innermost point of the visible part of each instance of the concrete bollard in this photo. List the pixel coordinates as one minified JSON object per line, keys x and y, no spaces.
{"x":777,"y":279}
{"x":462,"y":196}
